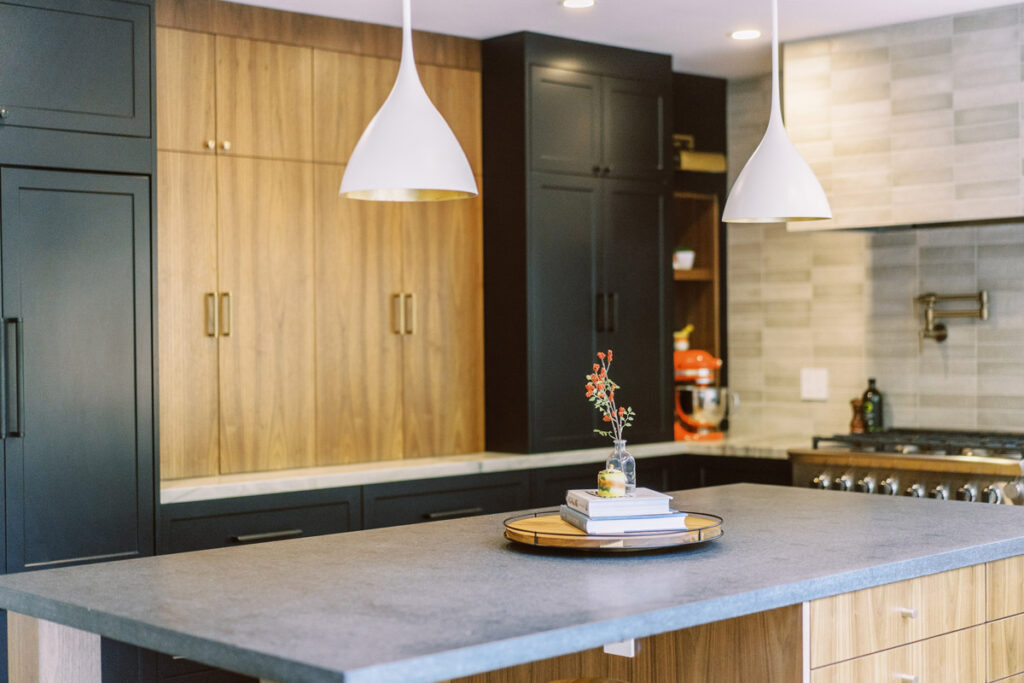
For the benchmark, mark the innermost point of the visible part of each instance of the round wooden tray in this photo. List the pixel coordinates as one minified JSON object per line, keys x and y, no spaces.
{"x":547,"y":529}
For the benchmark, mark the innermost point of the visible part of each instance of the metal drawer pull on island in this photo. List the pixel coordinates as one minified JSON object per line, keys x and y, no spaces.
{"x":211,"y":314}
{"x":225,"y":314}
{"x":453,"y":514}
{"x":907,"y":612}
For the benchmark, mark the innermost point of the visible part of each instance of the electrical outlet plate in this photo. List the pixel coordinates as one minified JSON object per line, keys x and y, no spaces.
{"x":813,"y":384}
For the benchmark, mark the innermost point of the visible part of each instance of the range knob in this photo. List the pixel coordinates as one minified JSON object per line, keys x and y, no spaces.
{"x":967,"y":492}
{"x":865,"y":484}
{"x":822,"y":481}
{"x":890,"y":486}
{"x":940,"y":492}
{"x":914,"y":491}
{"x":992,"y":494}
{"x":843,"y":483}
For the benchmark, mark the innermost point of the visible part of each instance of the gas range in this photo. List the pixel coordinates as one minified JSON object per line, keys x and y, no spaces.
{"x":919,"y":463}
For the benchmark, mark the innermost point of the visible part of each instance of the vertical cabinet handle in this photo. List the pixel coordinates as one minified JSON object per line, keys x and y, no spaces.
{"x":210,"y":303}
{"x":225,"y":314}
{"x":601,"y":312}
{"x":398,"y":313}
{"x":410,"y":313}
{"x":14,"y":374}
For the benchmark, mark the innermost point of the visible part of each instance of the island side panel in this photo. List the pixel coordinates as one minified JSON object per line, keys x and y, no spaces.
{"x":771,"y":643}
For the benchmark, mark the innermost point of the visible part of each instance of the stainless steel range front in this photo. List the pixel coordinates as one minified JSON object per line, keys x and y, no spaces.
{"x":982,"y":467}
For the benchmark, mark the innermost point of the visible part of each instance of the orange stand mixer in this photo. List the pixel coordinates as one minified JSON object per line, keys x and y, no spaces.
{"x":700,"y":406}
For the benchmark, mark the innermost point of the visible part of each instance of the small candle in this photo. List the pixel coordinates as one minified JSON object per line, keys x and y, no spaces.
{"x":611,"y":483}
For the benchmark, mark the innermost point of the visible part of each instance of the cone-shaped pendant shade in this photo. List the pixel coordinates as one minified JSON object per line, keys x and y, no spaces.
{"x":408,"y":153}
{"x":776,"y":185}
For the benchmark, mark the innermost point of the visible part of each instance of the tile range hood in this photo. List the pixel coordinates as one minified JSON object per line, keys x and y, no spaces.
{"x":912,"y":125}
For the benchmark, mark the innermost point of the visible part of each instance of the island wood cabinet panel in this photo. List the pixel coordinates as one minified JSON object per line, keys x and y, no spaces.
{"x":77,"y":356}
{"x":349,"y":89}
{"x":80,"y":66}
{"x":233,"y":96}
{"x":957,"y":657}
{"x":1004,"y":583}
{"x":854,"y":624}
{"x":399,"y":328}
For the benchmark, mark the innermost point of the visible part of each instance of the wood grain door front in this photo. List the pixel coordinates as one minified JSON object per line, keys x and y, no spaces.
{"x":349,"y":91}
{"x":185,"y":91}
{"x":358,"y":340}
{"x":442,"y":267}
{"x":187,"y":324}
{"x":266,"y":265}
{"x":264,"y":99}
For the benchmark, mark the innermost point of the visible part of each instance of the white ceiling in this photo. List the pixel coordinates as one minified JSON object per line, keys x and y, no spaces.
{"x":694,"y":32}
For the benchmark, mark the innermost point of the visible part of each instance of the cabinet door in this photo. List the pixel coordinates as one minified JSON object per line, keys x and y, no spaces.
{"x":565,"y":121}
{"x":443,"y":356}
{"x":185,"y":90}
{"x":636,"y":271}
{"x":77,"y":418}
{"x":78,"y":65}
{"x":187,"y":272}
{"x":456,"y":94}
{"x":265,"y":216}
{"x":633,"y":130}
{"x":265,"y":98}
{"x":358,"y":345}
{"x":564,"y":219}
{"x":349,"y":91}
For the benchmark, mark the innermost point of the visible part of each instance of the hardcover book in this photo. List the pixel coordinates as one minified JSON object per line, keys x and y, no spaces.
{"x":673,"y":521}
{"x":644,"y":502}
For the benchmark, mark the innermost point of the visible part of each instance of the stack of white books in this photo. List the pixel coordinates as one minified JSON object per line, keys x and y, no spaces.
{"x":644,"y":511}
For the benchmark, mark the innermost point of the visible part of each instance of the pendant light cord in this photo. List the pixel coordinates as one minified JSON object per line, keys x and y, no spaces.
{"x":776,"y":104}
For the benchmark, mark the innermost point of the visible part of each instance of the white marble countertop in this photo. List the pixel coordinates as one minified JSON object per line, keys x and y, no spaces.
{"x":283,"y":481}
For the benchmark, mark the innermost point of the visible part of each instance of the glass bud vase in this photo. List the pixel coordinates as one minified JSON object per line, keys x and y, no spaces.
{"x":620,"y":459}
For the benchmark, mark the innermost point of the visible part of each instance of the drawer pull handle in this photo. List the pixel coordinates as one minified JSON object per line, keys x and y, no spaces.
{"x":906,"y":677}
{"x":907,"y":613}
{"x":452,"y":514}
{"x":266,"y":536}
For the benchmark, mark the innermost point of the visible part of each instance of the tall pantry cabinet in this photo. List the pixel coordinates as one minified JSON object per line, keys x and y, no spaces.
{"x":577,"y":174}
{"x":299,"y":328}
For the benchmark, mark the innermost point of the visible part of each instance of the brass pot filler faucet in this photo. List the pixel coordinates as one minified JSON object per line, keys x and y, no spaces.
{"x":937,"y":331}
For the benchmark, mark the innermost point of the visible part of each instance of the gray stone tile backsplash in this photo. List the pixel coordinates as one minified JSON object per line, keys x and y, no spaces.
{"x":844,"y":300}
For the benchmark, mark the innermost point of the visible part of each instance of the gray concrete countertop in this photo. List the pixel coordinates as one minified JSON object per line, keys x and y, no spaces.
{"x":283,"y":481}
{"x":443,"y":599}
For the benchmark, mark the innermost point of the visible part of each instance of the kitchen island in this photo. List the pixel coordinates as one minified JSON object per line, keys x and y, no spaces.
{"x":446,"y":599}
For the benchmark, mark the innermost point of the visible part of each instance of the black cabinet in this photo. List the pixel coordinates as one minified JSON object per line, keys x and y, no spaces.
{"x":575,"y":245}
{"x":76,"y":65}
{"x":76,"y":407}
{"x":254,"y":519}
{"x":430,"y":500}
{"x":714,"y":470}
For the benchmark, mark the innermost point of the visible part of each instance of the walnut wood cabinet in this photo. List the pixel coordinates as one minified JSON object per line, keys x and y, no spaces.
{"x":298,"y":328}
{"x":399,"y":327}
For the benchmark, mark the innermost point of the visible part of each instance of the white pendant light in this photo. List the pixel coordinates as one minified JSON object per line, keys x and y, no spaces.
{"x":408,"y":153}
{"x":776,"y":185}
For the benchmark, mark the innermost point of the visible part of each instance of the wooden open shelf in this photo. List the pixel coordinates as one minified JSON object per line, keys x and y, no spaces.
{"x":694,"y":275}
{"x":697,"y":291}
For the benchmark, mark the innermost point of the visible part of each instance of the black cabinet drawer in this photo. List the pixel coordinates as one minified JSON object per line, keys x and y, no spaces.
{"x":76,"y":65}
{"x":255,"y":519}
{"x":425,"y":500}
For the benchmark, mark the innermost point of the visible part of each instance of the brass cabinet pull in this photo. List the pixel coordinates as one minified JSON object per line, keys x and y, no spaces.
{"x":210,"y":144}
{"x":225,"y":314}
{"x":397,"y":314}
{"x":410,"y":314}
{"x":266,"y":536}
{"x":226,"y":145}
{"x":211,"y":314}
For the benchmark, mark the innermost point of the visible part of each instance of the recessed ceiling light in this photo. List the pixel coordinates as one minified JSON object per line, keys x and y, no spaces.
{"x":745,"y":34}
{"x":577,"y":4}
